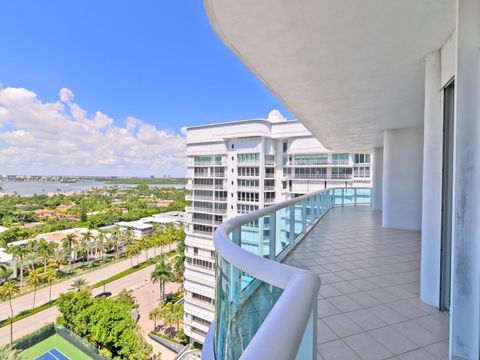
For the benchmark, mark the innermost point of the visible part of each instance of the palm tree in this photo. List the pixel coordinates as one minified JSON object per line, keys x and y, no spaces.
{"x":34,"y":279}
{"x":129,"y":237}
{"x":177,"y":315}
{"x":100,"y":244}
{"x":79,"y":284}
{"x":58,"y":257}
{"x":44,"y":249}
{"x":51,"y":276}
{"x":8,"y":352}
{"x":165,"y":313}
{"x":31,"y":261}
{"x":145,"y":245}
{"x":7,"y":291}
{"x":154,"y":315}
{"x":87,"y":238}
{"x":19,"y":253}
{"x":117,"y":238}
{"x":82,"y":248}
{"x":68,"y":242}
{"x":110,"y":243}
{"x":131,"y":251}
{"x":161,"y":274}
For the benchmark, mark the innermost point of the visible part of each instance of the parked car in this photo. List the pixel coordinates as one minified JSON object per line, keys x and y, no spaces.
{"x":103,"y":294}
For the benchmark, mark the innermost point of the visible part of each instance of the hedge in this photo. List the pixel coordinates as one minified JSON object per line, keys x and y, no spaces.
{"x":35,"y":337}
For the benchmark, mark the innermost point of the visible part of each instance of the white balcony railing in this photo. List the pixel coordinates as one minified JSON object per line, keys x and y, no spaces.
{"x":246,"y":276}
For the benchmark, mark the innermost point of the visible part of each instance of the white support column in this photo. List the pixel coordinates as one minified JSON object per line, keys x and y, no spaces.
{"x":465,"y":301}
{"x":432,"y":182}
{"x":402,"y":178}
{"x":377,"y":178}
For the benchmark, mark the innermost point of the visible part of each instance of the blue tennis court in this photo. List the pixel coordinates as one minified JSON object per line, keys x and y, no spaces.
{"x":53,"y":354}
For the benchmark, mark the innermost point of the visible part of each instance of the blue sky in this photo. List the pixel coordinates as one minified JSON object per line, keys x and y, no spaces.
{"x":159,"y":61}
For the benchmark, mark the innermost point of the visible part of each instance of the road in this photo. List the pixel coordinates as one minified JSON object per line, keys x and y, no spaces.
{"x":148,"y":296}
{"x":23,"y":327}
{"x":25,"y":302}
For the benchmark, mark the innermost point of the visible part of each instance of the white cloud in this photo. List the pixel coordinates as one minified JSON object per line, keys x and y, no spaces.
{"x":276,"y":116}
{"x":61,"y":137}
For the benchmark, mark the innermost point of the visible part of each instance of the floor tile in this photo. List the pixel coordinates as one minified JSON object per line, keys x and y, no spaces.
{"x":337,"y":350}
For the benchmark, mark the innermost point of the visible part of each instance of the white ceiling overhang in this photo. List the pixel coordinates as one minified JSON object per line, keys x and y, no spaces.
{"x":347,"y":69}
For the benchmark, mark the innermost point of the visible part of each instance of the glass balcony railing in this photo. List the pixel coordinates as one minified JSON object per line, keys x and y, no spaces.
{"x":265,"y":309}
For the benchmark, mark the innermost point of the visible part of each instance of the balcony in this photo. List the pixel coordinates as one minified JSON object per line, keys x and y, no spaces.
{"x":322,"y":176}
{"x":367,"y":306}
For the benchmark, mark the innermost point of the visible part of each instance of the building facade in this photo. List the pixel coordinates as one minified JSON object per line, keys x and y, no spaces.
{"x":238,"y":167}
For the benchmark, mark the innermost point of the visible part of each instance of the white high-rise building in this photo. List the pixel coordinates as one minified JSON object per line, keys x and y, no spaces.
{"x":238,"y":167}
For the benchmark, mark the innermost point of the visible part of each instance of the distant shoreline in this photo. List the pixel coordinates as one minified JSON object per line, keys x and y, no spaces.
{"x":147,"y":181}
{"x":27,"y":188}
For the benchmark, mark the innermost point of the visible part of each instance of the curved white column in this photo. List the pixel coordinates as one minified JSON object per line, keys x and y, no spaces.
{"x":432,"y":183}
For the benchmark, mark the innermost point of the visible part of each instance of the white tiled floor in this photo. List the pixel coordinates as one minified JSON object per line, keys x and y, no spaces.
{"x":368,"y":305}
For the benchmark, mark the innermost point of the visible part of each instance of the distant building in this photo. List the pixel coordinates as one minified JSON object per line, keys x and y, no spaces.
{"x":9,"y":261}
{"x":144,"y":226}
{"x":138,"y":227}
{"x":242,"y":166}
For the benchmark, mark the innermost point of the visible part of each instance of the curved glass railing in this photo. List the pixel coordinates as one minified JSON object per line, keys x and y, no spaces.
{"x":265,"y":309}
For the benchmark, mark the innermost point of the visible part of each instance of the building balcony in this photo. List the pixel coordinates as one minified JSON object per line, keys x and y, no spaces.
{"x":367,"y":307}
{"x":320,"y":163}
{"x":204,"y":186}
{"x":207,"y":210}
{"x":205,"y":198}
{"x":322,"y":176}
{"x":207,"y":175}
{"x":191,"y":163}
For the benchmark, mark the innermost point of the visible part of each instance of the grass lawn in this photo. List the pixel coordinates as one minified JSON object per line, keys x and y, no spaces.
{"x":58,"y":342}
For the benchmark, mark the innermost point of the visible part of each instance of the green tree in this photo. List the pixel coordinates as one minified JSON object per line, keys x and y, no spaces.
{"x":34,"y":279}
{"x":113,"y":327}
{"x":177,"y":315}
{"x":58,"y":257}
{"x":131,"y":251}
{"x":125,"y":297}
{"x":82,"y":249}
{"x":100,"y":244}
{"x":19,"y":253}
{"x":154,"y":315}
{"x":45,"y":249}
{"x":166,"y":314}
{"x":117,"y":238}
{"x":50,"y":277}
{"x":79,"y":284}
{"x":83,"y":210}
{"x":73,"y":307}
{"x":5,"y":272}
{"x":7,"y":291}
{"x":10,"y":353}
{"x":68,"y":243}
{"x":161,"y":274}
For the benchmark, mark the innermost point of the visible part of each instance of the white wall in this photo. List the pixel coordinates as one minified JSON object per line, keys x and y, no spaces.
{"x":432,"y":182}
{"x":402,"y":178}
{"x":465,"y":309}
{"x":377,"y":178}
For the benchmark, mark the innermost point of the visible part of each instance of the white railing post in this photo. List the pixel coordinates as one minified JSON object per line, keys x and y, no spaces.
{"x":273,"y":232}
{"x":292,"y":225}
